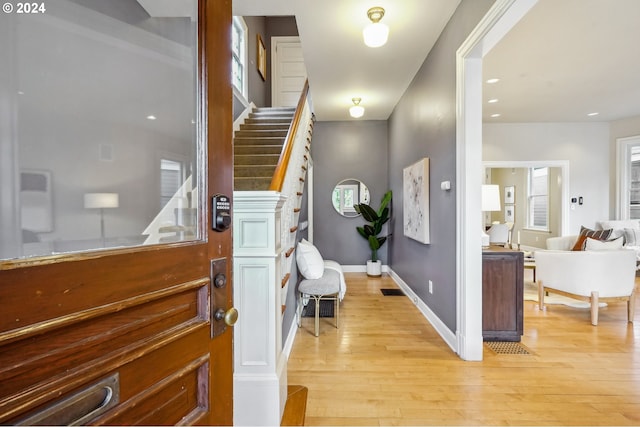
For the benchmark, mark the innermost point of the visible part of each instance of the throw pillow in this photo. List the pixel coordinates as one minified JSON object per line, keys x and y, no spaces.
{"x":309,"y":260}
{"x":632,"y":236}
{"x":594,"y":234}
{"x":603,"y":245}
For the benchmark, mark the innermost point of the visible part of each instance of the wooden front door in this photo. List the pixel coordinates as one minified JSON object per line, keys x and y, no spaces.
{"x":126,"y":336}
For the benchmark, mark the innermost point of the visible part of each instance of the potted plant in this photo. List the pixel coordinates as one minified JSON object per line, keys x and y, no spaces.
{"x":371,"y":231}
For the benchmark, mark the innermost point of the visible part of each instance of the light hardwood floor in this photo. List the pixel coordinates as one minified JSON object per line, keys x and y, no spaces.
{"x":387,"y":366}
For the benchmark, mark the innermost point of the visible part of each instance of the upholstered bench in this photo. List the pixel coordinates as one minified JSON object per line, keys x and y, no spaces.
{"x":322,"y":280}
{"x":326,"y":287}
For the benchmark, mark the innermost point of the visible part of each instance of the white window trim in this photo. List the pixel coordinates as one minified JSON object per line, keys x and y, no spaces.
{"x":239,"y":20}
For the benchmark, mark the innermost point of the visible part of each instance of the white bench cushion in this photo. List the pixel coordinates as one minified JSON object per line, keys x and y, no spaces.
{"x":327,"y":284}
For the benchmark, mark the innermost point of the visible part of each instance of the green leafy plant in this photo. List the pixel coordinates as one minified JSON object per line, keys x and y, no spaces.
{"x":376,"y":220}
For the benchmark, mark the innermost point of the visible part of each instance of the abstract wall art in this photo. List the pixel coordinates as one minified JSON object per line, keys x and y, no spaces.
{"x":415,"y":203}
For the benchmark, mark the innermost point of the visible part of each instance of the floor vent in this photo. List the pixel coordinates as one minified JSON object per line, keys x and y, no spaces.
{"x":507,"y":347}
{"x":394,"y":292}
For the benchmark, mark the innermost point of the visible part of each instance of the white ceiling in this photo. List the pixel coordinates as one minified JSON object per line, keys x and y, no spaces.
{"x":565,"y":59}
{"x":339,"y":65}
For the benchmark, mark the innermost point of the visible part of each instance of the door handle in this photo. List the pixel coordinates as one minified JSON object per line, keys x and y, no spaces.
{"x":230,"y":316}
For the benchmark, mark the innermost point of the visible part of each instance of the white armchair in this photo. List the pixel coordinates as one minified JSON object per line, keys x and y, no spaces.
{"x":594,"y":276}
{"x":499,"y":233}
{"x":562,"y":243}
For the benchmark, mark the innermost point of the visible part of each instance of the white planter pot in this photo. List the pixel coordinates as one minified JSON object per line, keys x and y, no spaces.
{"x":374,"y":268}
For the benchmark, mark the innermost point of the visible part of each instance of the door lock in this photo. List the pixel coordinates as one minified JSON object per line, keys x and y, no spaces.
{"x":220,"y":280}
{"x":221,"y":316}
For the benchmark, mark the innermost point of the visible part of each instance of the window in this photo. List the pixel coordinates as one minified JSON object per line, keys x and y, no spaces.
{"x":538,"y":199}
{"x":343,"y":198}
{"x":239,"y":52}
{"x":171,"y":178}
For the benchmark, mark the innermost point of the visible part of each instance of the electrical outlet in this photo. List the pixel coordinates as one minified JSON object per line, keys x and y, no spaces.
{"x":430,"y":286}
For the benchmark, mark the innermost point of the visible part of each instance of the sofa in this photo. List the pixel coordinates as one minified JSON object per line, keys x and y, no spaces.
{"x":603,"y":272}
{"x":629,"y":230}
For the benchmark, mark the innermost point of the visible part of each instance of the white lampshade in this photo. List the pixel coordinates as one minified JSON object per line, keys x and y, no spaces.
{"x":356,"y":109}
{"x":101,"y":200}
{"x":490,"y":197}
{"x":376,"y":33}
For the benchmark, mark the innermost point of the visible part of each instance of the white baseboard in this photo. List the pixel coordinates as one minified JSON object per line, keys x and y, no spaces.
{"x":291,"y":337}
{"x":447,"y":335}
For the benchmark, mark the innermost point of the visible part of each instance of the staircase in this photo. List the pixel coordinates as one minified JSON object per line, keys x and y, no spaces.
{"x":272,"y":159}
{"x":257,"y":147}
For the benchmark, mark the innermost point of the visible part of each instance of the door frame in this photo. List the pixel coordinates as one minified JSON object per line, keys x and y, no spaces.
{"x":502,"y":17}
{"x":623,"y":172}
{"x":563,"y":165}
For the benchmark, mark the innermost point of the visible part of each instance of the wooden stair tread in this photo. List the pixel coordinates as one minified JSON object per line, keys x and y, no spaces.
{"x":296,"y":407}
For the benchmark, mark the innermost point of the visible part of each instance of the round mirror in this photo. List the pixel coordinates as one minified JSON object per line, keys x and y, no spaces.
{"x":348,"y":193}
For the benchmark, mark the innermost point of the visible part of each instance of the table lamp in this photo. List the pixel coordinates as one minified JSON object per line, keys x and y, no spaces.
{"x":101,"y":201}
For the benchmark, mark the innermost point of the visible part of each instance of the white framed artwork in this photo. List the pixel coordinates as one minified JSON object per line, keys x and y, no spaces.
{"x":509,"y":213}
{"x":415,"y":201}
{"x":509,"y":195}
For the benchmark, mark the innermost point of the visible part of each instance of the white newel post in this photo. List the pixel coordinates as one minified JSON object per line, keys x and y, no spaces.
{"x":260,"y":368}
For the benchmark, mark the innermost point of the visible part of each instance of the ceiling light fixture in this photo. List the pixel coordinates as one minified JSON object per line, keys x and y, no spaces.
{"x":151,"y":117}
{"x":356,"y":109}
{"x":496,"y":115}
{"x":492,"y":81}
{"x":376,"y":33}
{"x":592,"y":114}
{"x":493,"y":101}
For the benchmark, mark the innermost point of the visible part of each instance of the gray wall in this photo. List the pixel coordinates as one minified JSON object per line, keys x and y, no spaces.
{"x":340,"y":150}
{"x":423,"y":125}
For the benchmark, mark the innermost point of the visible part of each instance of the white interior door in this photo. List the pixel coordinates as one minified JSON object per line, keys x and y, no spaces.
{"x":287,"y":70}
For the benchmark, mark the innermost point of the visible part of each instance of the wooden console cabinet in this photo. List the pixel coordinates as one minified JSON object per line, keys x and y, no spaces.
{"x":502,"y":294}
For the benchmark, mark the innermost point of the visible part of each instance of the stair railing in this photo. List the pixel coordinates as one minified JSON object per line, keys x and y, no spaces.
{"x":285,"y":155}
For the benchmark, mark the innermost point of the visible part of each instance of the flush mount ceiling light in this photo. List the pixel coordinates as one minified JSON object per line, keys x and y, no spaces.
{"x":376,"y":33}
{"x":356,"y":109}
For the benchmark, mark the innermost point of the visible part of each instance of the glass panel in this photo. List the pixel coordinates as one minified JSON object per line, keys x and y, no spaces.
{"x":98,"y":114}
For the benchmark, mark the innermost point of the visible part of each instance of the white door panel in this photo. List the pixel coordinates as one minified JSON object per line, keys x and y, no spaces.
{"x":288,"y":71}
